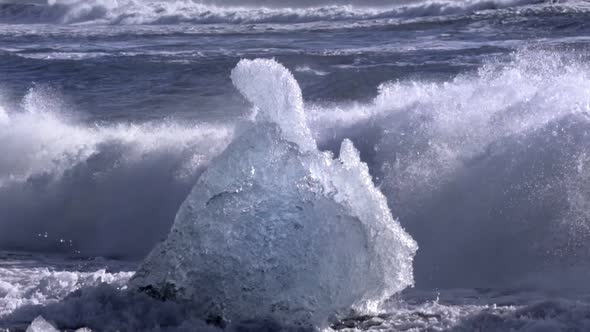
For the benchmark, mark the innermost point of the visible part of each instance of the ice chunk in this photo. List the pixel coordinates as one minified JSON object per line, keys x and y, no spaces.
{"x":275,"y":228}
{"x":283,"y":106}
{"x":41,"y":325}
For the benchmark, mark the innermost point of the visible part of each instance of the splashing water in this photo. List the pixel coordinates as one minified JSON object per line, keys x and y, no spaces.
{"x":487,"y":171}
{"x":67,"y":186}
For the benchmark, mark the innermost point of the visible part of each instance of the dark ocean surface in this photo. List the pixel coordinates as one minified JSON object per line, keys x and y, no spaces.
{"x":473,"y":117}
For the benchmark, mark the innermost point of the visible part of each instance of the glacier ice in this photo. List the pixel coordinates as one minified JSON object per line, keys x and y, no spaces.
{"x":41,"y":325}
{"x":275,"y":228}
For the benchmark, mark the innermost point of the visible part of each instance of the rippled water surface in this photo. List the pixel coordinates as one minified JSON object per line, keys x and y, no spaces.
{"x":473,"y":118}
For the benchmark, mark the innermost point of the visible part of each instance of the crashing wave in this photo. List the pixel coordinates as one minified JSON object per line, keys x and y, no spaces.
{"x":275,"y":228}
{"x":203,"y":12}
{"x":87,"y":188}
{"x":487,"y":171}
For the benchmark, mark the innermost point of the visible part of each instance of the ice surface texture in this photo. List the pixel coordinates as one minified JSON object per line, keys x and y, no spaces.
{"x":41,"y":325}
{"x":275,"y":228}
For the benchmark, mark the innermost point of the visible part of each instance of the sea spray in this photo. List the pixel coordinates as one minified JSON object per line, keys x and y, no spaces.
{"x":86,"y":188}
{"x":488,"y":171}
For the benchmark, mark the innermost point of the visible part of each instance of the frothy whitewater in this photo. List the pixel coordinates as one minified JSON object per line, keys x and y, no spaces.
{"x":294,"y":165}
{"x":206,"y":12}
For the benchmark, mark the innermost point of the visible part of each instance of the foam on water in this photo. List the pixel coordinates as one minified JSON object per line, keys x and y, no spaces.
{"x":41,"y":291}
{"x":487,"y":171}
{"x":86,"y":188}
{"x":512,"y":135}
{"x":189,"y":11}
{"x":72,"y":295}
{"x":25,"y":282}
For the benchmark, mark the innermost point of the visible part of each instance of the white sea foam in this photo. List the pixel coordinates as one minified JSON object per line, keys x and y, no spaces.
{"x":50,"y":161}
{"x":76,"y":294}
{"x":99,"y":300}
{"x":307,"y":69}
{"x":177,"y":11}
{"x":26,"y":283}
{"x":487,"y":171}
{"x":63,"y":55}
{"x":512,"y":135}
{"x":43,"y":141}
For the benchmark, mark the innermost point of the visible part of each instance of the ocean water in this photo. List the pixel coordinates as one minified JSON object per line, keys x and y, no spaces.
{"x":473,"y":117}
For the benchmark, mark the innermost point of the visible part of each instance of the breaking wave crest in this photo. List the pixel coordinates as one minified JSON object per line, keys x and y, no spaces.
{"x":88,"y":188}
{"x":488,"y":171}
{"x":202,"y":12}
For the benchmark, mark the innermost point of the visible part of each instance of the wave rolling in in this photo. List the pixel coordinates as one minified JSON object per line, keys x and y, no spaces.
{"x":86,"y":189}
